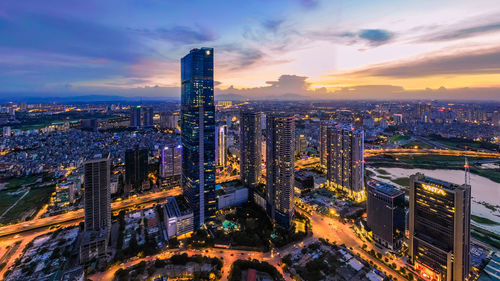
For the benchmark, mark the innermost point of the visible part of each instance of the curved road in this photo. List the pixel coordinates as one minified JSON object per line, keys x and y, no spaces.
{"x":78,"y":214}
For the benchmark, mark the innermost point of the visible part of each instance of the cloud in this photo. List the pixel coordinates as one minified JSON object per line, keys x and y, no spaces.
{"x":449,"y":35}
{"x":309,"y":4}
{"x":483,"y":61}
{"x":292,"y":87}
{"x":375,"y":36}
{"x":287,"y":86}
{"x":60,"y":35}
{"x":471,"y":27}
{"x":372,"y":37}
{"x":272,"y":25}
{"x":236,"y":57}
{"x":179,"y":34}
{"x":289,"y":83}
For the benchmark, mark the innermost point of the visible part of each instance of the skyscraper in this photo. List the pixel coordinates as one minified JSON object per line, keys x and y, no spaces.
{"x":220,"y":145}
{"x":323,"y":150}
{"x":136,"y":168}
{"x":345,"y":161}
{"x":280,"y":168}
{"x":147,"y":118}
{"x":250,"y":148}
{"x":96,"y":196}
{"x":169,"y":120}
{"x":135,"y":116}
{"x":385,"y":210}
{"x":439,"y":228}
{"x":198,"y":133}
{"x":97,"y":206}
{"x":171,"y":161}
{"x":301,"y":145}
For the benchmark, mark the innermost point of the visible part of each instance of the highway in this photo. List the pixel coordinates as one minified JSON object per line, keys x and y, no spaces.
{"x":78,"y":214}
{"x":444,"y":152}
{"x":335,"y":230}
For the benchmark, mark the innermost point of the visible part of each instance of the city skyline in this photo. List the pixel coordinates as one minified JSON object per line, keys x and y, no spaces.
{"x":259,"y":140}
{"x":301,"y":49}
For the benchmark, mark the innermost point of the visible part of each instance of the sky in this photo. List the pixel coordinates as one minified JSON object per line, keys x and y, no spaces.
{"x":313,"y":49}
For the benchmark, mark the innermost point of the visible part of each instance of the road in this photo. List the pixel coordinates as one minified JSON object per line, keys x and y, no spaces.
{"x":335,"y":230}
{"x":228,"y":256}
{"x":78,"y":214}
{"x":323,"y":227}
{"x":445,"y":152}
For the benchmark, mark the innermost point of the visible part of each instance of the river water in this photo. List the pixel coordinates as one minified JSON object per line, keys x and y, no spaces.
{"x":483,"y":189}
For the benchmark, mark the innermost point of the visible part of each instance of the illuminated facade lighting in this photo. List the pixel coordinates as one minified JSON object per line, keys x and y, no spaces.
{"x":439,"y":226}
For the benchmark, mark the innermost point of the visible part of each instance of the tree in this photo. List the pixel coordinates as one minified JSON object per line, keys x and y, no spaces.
{"x":173,"y":243}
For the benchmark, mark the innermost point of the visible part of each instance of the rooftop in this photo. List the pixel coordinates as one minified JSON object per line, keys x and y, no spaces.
{"x":385,"y":188}
{"x":177,"y":206}
{"x":445,"y":184}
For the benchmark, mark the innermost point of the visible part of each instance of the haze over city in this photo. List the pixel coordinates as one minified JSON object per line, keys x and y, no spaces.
{"x":301,"y":49}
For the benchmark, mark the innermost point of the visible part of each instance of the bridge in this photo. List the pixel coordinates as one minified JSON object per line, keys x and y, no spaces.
{"x":444,"y":152}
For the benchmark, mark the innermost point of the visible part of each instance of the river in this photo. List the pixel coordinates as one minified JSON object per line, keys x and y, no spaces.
{"x":483,"y":189}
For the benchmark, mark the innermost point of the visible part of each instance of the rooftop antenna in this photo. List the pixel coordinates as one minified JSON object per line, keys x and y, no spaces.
{"x":467,"y":172}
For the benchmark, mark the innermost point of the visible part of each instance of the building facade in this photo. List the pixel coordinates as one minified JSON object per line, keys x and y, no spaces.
{"x":147,"y":117}
{"x":385,"y":210}
{"x":439,"y":227}
{"x":250,"y":148}
{"x":221,"y":146}
{"x":97,"y":208}
{"x":280,"y":148}
{"x":198,"y":133}
{"x":301,"y":147}
{"x":135,"y":116}
{"x":323,"y":140}
{"x":136,"y":168}
{"x":171,"y":156}
{"x":345,"y":161}
{"x":178,"y":217}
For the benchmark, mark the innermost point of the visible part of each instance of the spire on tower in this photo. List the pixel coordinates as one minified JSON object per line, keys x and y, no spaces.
{"x":467,"y":172}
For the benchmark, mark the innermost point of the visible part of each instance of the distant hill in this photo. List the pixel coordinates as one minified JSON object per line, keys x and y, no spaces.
{"x":82,"y":99}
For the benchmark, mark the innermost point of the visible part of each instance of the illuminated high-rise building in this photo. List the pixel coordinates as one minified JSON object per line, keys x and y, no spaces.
{"x":280,"y":148}
{"x":96,"y":195}
{"x":439,"y":227}
{"x":97,"y":208}
{"x":136,"y":168}
{"x":250,"y":148}
{"x":301,"y":147}
{"x":221,"y":146}
{"x":345,"y":161}
{"x":198,"y":133}
{"x":135,"y":116}
{"x":170,"y":165}
{"x":323,"y":140}
{"x":147,"y":117}
{"x":169,"y":120}
{"x":385,"y":210}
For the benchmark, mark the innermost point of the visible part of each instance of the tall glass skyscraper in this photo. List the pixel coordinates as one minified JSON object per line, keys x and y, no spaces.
{"x":198,"y":133}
